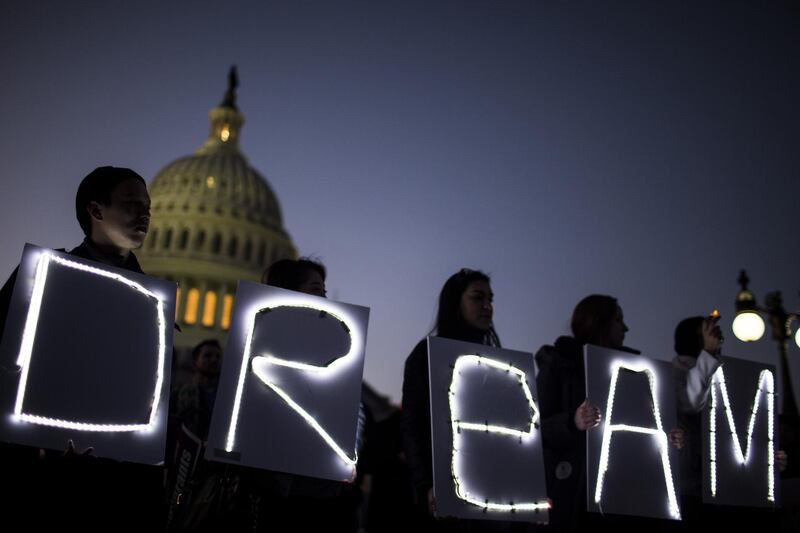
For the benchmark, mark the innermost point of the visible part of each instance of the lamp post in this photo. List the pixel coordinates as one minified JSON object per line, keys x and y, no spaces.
{"x":748,"y":326}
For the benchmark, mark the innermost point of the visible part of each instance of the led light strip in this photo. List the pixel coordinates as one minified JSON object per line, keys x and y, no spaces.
{"x":260,"y":364}
{"x":29,"y":337}
{"x":765,"y":381}
{"x":271,"y":359}
{"x":55,"y":422}
{"x":657,"y":433}
{"x":457,"y":425}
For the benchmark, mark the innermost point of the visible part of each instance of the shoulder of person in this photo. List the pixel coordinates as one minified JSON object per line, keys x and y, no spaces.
{"x":564,"y":353}
{"x":683,"y":362}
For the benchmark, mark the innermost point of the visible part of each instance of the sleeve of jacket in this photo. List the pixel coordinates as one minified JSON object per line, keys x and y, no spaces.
{"x":693,"y":383}
{"x":558,"y":426}
{"x":416,"y":418}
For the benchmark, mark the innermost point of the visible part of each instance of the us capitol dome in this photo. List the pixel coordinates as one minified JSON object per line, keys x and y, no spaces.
{"x":214,"y":220}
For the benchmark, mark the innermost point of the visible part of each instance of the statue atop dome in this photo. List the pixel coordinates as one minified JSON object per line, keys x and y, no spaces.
{"x":230,"y":94}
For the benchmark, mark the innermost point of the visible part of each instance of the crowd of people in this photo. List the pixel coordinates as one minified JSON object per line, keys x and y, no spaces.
{"x":393,"y":488}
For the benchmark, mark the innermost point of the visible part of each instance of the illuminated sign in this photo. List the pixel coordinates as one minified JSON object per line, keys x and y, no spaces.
{"x":491,"y":442}
{"x":458,"y":425}
{"x":631,"y":393}
{"x":261,"y":364}
{"x":29,"y":337}
{"x":737,"y":461}
{"x":319,"y":384}
{"x":657,"y":433}
{"x":90,"y":346}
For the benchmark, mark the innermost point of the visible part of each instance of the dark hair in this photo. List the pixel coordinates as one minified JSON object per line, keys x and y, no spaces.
{"x":98,"y":186}
{"x":291,"y":273}
{"x":592,"y":319}
{"x":208,"y":342}
{"x":688,"y":339}
{"x":449,"y":322}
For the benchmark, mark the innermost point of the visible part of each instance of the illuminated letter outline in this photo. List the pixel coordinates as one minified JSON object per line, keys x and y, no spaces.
{"x":261,"y":362}
{"x":457,"y":425}
{"x":764,"y":378}
{"x":657,"y":433}
{"x":29,"y":336}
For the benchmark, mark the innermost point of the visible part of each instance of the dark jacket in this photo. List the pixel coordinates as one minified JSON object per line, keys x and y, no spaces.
{"x":416,"y":420}
{"x":561,"y":385}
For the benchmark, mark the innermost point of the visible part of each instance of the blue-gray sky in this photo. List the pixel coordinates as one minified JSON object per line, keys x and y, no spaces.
{"x":644,"y":150}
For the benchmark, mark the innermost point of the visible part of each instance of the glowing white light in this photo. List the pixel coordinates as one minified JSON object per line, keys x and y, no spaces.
{"x":261,"y":363}
{"x":458,"y":425}
{"x":748,"y":326}
{"x":29,"y":337}
{"x":80,"y":426}
{"x":797,"y":337}
{"x":765,"y":384}
{"x":657,"y":433}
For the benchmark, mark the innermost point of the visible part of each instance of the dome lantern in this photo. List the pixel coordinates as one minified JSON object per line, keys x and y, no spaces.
{"x":226,"y":121}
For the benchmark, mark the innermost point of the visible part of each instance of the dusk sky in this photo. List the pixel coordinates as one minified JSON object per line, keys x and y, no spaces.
{"x":639,"y":149}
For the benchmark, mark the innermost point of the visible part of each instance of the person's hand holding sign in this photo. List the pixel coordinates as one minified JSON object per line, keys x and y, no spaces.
{"x":587,"y":416}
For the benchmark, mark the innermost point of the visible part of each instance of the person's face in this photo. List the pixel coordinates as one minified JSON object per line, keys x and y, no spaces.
{"x":617,"y":329}
{"x":124,"y":222}
{"x":209,"y":360}
{"x":476,"y":305}
{"x":314,"y":284}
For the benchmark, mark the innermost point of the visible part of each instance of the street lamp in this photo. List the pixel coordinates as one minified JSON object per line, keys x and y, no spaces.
{"x":748,"y":326}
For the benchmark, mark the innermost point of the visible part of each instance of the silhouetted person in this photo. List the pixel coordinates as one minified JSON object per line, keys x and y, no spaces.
{"x":194,"y":402}
{"x":566,"y":413}
{"x":698,"y":349}
{"x":198,"y":497}
{"x":279,"y":501}
{"x":465,"y":313}
{"x":113,"y":210}
{"x":301,"y":275}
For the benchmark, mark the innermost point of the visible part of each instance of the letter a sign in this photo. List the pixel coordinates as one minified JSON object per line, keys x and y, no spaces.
{"x":631,"y":467}
{"x":291,"y":384}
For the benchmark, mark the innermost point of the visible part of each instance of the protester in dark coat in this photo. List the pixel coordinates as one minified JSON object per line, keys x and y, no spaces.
{"x":113,"y":209}
{"x":566,"y":413}
{"x":465,"y":313}
{"x":280,"y":501}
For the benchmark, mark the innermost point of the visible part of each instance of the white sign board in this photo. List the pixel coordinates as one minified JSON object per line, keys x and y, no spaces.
{"x":631,"y":468}
{"x":290,"y":385}
{"x":487,"y":446}
{"x":739,"y":435}
{"x":86,"y":353}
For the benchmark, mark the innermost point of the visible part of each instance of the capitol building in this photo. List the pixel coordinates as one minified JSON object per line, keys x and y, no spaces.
{"x":214,"y":220}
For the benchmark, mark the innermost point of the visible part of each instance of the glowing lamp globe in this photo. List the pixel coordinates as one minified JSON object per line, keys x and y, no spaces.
{"x":797,"y":337}
{"x":748,"y":326}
